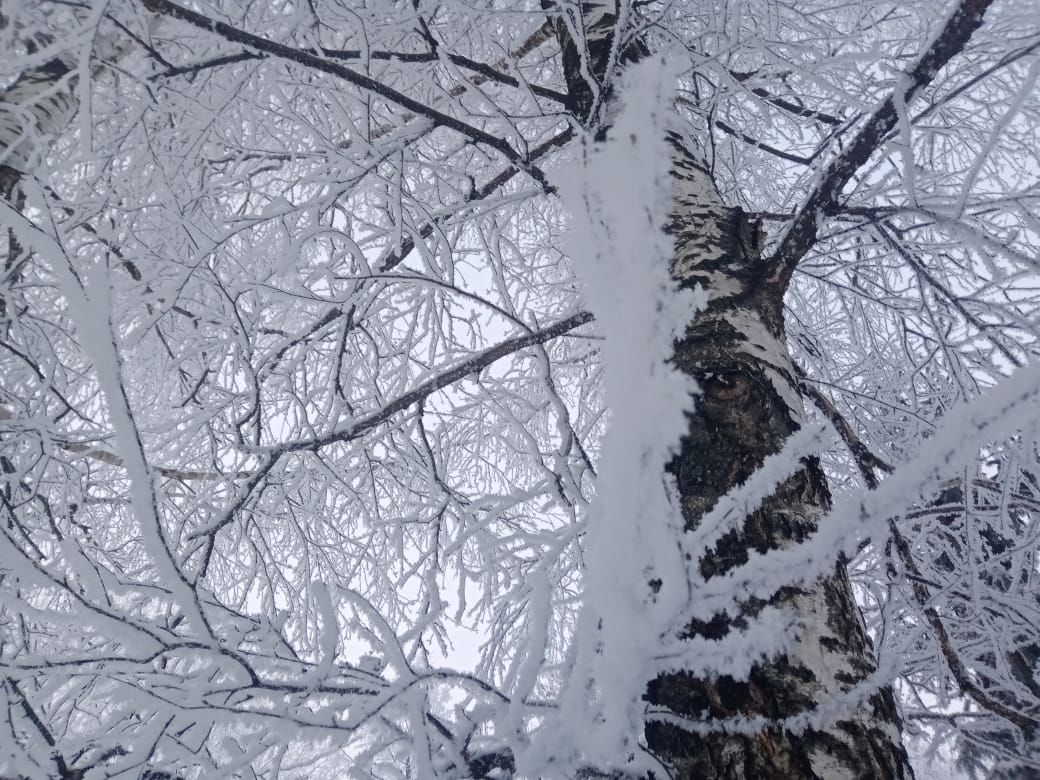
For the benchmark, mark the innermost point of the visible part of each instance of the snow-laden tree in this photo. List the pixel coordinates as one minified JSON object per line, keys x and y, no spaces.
{"x":490,"y":389}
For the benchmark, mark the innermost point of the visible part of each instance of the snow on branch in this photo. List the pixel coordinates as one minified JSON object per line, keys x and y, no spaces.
{"x":91,"y":318}
{"x":864,"y":514}
{"x":965,"y":19}
{"x":361,"y":80}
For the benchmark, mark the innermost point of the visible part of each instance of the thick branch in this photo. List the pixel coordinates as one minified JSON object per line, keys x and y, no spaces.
{"x":185,"y":475}
{"x":866,"y":461}
{"x":41,"y":727}
{"x":473,"y":365}
{"x":489,"y":73}
{"x":802,"y":233}
{"x":389,"y":94}
{"x":561,"y":138}
{"x":789,"y":106}
{"x":960,"y":672}
{"x":751,"y":141}
{"x":360,"y":427}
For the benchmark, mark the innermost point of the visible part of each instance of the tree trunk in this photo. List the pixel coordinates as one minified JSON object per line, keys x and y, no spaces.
{"x":748,"y":406}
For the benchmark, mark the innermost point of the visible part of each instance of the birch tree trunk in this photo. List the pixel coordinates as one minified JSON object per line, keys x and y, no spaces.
{"x":749,"y":405}
{"x":38,"y":105}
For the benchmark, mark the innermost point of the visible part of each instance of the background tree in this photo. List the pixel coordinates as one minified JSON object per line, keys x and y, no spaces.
{"x":299,"y":388}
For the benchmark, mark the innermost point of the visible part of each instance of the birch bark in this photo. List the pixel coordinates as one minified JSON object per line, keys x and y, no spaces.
{"x":748,"y":406}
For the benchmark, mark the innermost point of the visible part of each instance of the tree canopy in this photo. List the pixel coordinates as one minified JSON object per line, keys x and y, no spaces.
{"x":336,"y":398}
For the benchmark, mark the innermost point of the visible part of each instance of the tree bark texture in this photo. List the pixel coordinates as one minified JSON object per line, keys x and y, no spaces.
{"x":748,"y":406}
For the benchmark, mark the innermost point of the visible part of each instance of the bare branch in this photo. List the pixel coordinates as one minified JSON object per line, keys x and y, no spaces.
{"x":802,"y":232}
{"x":310,"y":60}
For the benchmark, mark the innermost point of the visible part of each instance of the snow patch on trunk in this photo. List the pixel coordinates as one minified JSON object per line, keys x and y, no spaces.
{"x":635,"y":583}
